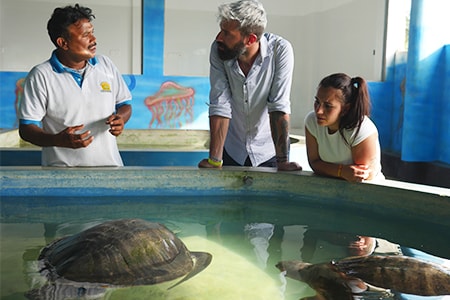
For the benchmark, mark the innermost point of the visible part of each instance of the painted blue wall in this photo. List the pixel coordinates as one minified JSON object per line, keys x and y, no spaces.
{"x":411,"y":107}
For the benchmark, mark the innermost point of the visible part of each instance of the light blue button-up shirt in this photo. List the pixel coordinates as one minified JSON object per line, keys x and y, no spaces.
{"x":248,"y":100}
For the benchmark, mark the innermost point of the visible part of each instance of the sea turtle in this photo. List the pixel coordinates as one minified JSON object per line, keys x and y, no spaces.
{"x":116,"y":253}
{"x":336,"y":279}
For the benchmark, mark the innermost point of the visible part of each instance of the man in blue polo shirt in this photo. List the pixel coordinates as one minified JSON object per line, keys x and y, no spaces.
{"x":80,"y":99}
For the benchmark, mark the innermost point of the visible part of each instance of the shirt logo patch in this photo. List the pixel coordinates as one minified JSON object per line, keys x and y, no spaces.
{"x":106,"y":87}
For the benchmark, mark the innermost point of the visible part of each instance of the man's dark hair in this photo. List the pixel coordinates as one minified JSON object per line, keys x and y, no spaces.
{"x":63,"y":17}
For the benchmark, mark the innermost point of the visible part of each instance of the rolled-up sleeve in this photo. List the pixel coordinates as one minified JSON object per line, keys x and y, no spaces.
{"x":220,"y":94}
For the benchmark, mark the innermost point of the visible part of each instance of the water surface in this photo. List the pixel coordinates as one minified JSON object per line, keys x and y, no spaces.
{"x":246,"y":235}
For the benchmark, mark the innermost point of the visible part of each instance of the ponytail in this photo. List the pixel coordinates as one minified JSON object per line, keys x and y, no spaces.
{"x":359,"y":101}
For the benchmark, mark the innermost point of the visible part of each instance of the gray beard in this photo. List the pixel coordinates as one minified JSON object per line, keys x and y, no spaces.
{"x":233,"y":53}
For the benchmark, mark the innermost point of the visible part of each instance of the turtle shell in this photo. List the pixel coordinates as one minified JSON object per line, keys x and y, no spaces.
{"x":335,"y":280}
{"x":122,"y":252}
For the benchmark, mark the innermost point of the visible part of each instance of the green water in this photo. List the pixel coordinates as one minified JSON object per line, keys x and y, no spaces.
{"x":247,"y":237}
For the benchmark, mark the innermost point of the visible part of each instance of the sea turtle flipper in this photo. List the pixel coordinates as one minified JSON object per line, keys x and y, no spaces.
{"x":201,"y":261}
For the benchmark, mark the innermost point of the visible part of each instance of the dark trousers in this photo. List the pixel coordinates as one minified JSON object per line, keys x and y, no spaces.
{"x":228,"y":161}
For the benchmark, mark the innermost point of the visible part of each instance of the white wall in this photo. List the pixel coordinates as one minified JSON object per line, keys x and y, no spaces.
{"x":327,"y":35}
{"x":24,"y":41}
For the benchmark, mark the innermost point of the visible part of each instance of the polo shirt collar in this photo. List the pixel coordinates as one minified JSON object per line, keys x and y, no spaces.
{"x":60,"y":68}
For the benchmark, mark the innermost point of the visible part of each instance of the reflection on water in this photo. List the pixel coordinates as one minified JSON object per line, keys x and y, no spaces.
{"x":247,"y":237}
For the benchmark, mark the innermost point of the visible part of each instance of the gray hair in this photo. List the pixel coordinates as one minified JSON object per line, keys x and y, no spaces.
{"x":249,"y":13}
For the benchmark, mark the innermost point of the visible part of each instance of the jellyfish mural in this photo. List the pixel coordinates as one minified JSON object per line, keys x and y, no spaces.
{"x":171,"y":106}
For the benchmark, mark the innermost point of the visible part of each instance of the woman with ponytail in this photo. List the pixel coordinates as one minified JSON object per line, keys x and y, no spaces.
{"x":341,"y":140}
